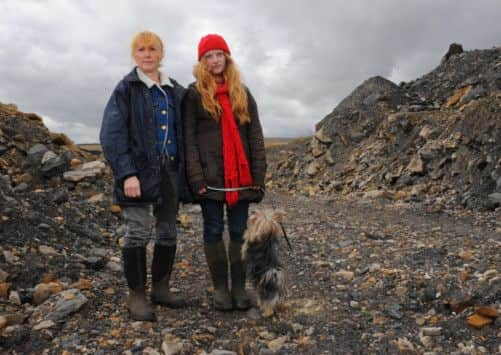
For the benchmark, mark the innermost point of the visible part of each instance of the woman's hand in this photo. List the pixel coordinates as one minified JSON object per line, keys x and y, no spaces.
{"x":132,"y":187}
{"x":202,"y":191}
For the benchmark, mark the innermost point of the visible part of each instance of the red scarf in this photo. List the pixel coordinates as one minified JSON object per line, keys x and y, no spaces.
{"x":236,"y":167}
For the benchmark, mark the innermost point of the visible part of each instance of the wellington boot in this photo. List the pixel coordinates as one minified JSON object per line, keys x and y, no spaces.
{"x":238,"y":294}
{"x":135,"y":272}
{"x":218,"y":266}
{"x":139,"y":307}
{"x":161,"y":270}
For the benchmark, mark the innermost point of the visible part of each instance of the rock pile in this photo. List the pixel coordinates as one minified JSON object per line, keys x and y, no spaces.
{"x":435,"y":139}
{"x":53,"y":219}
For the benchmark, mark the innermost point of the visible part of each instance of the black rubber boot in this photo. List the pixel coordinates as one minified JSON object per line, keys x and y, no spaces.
{"x":238,"y":295}
{"x":218,"y":266}
{"x":135,"y":272}
{"x":161,"y":270}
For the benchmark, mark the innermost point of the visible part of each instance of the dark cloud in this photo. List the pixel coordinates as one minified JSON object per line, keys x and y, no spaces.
{"x":62,"y":59}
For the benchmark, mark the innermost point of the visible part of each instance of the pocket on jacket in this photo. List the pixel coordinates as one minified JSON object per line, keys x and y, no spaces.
{"x":149,"y":183}
{"x":149,"y":180}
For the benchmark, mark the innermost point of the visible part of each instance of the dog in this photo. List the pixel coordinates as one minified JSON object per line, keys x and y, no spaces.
{"x":260,"y":253}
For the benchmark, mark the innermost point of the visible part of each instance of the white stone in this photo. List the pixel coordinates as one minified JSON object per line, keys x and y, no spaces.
{"x":44,"y":325}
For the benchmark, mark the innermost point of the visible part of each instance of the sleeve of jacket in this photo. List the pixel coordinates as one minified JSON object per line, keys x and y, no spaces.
{"x":256,"y":144}
{"x":114,"y":134}
{"x":194,"y":170}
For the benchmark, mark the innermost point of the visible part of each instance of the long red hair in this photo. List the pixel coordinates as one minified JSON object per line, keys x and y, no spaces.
{"x":206,"y":86}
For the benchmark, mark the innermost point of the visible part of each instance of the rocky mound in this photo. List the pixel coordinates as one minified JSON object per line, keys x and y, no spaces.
{"x":53,"y":218}
{"x":434,"y":140}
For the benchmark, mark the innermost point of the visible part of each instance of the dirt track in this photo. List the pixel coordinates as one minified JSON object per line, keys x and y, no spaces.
{"x":365,"y":277}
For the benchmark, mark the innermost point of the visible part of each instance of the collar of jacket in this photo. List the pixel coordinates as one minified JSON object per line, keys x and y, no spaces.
{"x":164,"y":79}
{"x":134,"y":77}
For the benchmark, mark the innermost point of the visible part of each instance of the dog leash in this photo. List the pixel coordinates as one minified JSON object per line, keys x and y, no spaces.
{"x":230,"y":189}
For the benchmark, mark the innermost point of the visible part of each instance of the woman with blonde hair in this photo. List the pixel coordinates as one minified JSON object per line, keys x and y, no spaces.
{"x":142,"y":140}
{"x":225,"y":161}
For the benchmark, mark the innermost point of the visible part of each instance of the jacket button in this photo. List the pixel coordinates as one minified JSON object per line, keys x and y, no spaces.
{"x":164,"y":112}
{"x":169,"y":141}
{"x":171,"y":158}
{"x":163,"y":127}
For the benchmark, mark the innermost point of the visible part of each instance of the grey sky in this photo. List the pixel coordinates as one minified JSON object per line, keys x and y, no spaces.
{"x":62,"y":59}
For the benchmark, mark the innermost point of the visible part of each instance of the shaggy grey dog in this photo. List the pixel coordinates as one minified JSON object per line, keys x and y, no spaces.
{"x":264,"y":268}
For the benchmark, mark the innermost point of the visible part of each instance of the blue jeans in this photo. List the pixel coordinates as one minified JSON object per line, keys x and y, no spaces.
{"x":213,"y":213}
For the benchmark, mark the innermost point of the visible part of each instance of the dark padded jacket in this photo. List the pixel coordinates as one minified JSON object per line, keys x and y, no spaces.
{"x":128,"y":139}
{"x":204,"y":150}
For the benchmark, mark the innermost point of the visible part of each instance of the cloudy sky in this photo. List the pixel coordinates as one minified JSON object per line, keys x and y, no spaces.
{"x":61,"y":59}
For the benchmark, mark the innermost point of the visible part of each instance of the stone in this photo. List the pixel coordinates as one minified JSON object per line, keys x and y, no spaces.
{"x":10,"y":258}
{"x":371,"y":99}
{"x":329,"y":159}
{"x":322,"y":137}
{"x":477,"y":321}
{"x":431,"y":331}
{"x":82,"y":284}
{"x":475,"y":93}
{"x":354,"y":304}
{"x":3,"y":322}
{"x":47,"y":250}
{"x":222,"y":352}
{"x":394,"y":311}
{"x":313,"y":168}
{"x":59,"y":306}
{"x":416,"y":165}
{"x":91,"y":169}
{"x":405,"y":346}
{"x":374,"y":194}
{"x":4,"y":290}
{"x":22,"y":187}
{"x":60,"y":196}
{"x":3,"y":275}
{"x":115,"y":209}
{"x":148,"y":351}
{"x":36,"y":153}
{"x":171,"y":345}
{"x":427,"y":132}
{"x":431,"y":150}
{"x":41,"y":293}
{"x":96,"y":198}
{"x":427,"y":341}
{"x":487,"y":311}
{"x":346,"y":275}
{"x":461,"y":303}
{"x":317,"y":149}
{"x":495,"y":198}
{"x":44,"y":325}
{"x":276,"y":344}
{"x":454,"y":99}
{"x":75,"y":162}
{"x":113,"y":266}
{"x":52,"y":164}
{"x":15,"y":298}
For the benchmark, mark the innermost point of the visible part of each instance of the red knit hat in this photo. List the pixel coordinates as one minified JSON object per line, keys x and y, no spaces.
{"x":210,"y":42}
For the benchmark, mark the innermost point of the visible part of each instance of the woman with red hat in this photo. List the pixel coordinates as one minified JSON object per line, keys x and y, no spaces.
{"x":225,"y":162}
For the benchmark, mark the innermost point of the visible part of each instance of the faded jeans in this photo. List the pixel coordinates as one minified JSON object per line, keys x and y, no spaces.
{"x":139,"y":220}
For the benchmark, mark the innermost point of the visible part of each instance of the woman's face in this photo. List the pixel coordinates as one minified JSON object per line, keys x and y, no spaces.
{"x":216,"y":61}
{"x":148,"y":58}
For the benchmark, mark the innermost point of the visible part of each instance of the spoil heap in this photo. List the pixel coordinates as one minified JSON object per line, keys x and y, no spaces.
{"x":434,"y":140}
